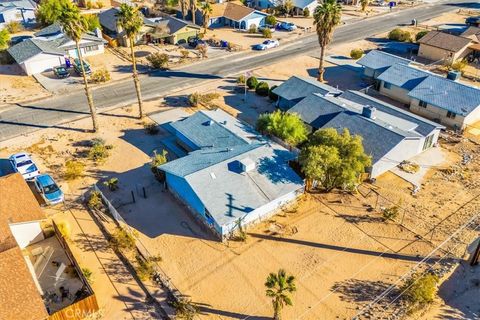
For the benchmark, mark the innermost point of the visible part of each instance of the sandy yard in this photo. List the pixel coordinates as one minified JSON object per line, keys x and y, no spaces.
{"x":17,"y":87}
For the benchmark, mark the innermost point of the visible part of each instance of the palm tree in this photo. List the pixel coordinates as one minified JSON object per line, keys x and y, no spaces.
{"x":130,"y":20}
{"x":193,"y":9}
{"x":74,"y":25}
{"x":183,"y":6}
{"x":326,"y":17}
{"x":279,"y":285}
{"x":206,"y":11}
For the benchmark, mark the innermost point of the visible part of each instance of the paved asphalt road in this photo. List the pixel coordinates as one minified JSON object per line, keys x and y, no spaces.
{"x":19,"y":119}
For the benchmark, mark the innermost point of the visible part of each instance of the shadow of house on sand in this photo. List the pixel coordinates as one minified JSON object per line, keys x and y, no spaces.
{"x":361,"y":291}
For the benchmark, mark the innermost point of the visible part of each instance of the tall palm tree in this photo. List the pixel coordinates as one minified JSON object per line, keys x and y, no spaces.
{"x":183,"y":8}
{"x":279,"y":285}
{"x":74,"y":25}
{"x":193,"y":9}
{"x":206,"y":12}
{"x":326,"y":17}
{"x":131,"y":21}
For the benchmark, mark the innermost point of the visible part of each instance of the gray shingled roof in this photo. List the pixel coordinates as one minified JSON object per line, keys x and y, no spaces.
{"x":31,"y":47}
{"x":379,"y":60}
{"x":300,"y":87}
{"x":447,"y":94}
{"x":171,"y":23}
{"x":316,"y":111}
{"x":108,"y":19}
{"x":403,"y":76}
{"x":50,"y":30}
{"x":444,"y":41}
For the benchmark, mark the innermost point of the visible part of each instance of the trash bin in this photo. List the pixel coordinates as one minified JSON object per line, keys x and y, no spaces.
{"x":223,"y":43}
{"x":414,"y":22}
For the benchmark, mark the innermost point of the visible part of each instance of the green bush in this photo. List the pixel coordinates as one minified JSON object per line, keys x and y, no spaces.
{"x":252,"y":82}
{"x":158,"y":60}
{"x":356,"y":53}
{"x":306,"y":12}
{"x":267,"y":33}
{"x":262,"y":89}
{"x":4,"y":39}
{"x":391,"y":213}
{"x":14,"y":26}
{"x":197,"y":99}
{"x":64,"y":229}
{"x":100,"y":76}
{"x":88,"y":274}
{"x":271,"y":20}
{"x":252,"y":29}
{"x":73,"y":169}
{"x":287,"y":126}
{"x":272,"y":95}
{"x":123,"y":239}
{"x":420,"y":290}
{"x":144,"y":268}
{"x":157,"y":160}
{"x":459,"y":65}
{"x":112,"y":184}
{"x":398,"y":34}
{"x":95,"y":200}
{"x":421,"y":34}
{"x":99,"y":151}
{"x":185,"y":309}
{"x":241,"y":79}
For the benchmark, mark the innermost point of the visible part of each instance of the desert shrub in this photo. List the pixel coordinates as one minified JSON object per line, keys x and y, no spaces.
{"x":252,"y":82}
{"x":202,"y":50}
{"x":459,"y":65}
{"x":420,"y":34}
{"x":112,"y":184}
{"x":197,"y":99}
{"x":64,"y":228}
{"x":184,"y":54}
{"x":391,"y":213}
{"x":271,"y":94}
{"x":184,"y":309}
{"x":88,"y":274}
{"x":252,"y":28}
{"x":398,"y":34}
{"x":267,"y":33}
{"x":100,"y":5}
{"x":356,"y":53}
{"x":99,"y":151}
{"x":144,"y":268}
{"x":158,"y":60}
{"x":4,"y":39}
{"x":271,"y":20}
{"x":95,"y":200}
{"x":241,"y":79}
{"x":123,"y":239}
{"x":420,"y":290}
{"x":100,"y":76}
{"x":89,"y":5}
{"x":151,"y":128}
{"x":74,"y":169}
{"x":262,"y":89}
{"x":14,"y":26}
{"x":157,"y":160}
{"x":306,"y":12}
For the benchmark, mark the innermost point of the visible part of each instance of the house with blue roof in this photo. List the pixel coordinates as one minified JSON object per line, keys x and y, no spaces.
{"x":376,"y":62}
{"x":22,"y":11}
{"x":231,"y":173}
{"x":390,"y":135}
{"x":430,"y":95}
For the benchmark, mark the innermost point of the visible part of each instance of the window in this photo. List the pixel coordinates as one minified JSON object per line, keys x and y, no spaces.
{"x":91,"y":48}
{"x":387,"y":85}
{"x":451,"y":115}
{"x":422,"y":104}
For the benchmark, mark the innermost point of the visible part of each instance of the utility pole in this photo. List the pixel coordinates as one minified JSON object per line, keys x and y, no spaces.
{"x":476,"y":255}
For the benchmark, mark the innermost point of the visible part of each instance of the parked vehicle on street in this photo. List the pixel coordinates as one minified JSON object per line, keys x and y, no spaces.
{"x":78,"y":68}
{"x":287,"y":26}
{"x":267,"y":44}
{"x":61,"y":72}
{"x":193,"y":42}
{"x":48,"y":189}
{"x":23,"y":163}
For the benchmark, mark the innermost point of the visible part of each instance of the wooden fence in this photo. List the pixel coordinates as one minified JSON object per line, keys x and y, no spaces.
{"x":81,"y":308}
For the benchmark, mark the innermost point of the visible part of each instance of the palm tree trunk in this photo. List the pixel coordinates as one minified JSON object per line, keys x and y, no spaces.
{"x":91,"y":106}
{"x":136,"y":80}
{"x":321,"y":69}
{"x":193,"y":10}
{"x":182,"y":6}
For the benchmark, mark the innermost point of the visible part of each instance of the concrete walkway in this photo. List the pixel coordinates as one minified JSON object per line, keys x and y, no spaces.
{"x":119,"y":295}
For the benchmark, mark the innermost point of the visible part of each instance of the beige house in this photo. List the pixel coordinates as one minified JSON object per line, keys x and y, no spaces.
{"x":441,"y":46}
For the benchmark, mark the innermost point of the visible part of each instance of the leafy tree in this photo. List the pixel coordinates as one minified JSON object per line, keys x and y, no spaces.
{"x":74,"y":25}
{"x":14,"y":26}
{"x":306,"y":12}
{"x":420,"y":290}
{"x":4,"y":39}
{"x":131,"y":21}
{"x":279,"y":286}
{"x":421,"y":34}
{"x":92,"y":22}
{"x":252,"y":82}
{"x":267,"y":33}
{"x":206,"y":12}
{"x":252,"y":29}
{"x":287,"y":7}
{"x":334,"y":160}
{"x":271,"y":20}
{"x":364,"y":4}
{"x":287,"y":126}
{"x":326,"y":17}
{"x":262,"y":89}
{"x":49,"y":11}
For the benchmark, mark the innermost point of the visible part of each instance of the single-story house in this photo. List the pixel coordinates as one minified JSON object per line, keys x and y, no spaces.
{"x":298,"y":5}
{"x":473,"y":21}
{"x":232,"y":14}
{"x":297,"y":88}
{"x":375,"y":62}
{"x":231,"y":172}
{"x":389,"y":135}
{"x":22,"y":11}
{"x":50,"y":47}
{"x":154,"y":30}
{"x":441,"y":46}
{"x":440,"y":99}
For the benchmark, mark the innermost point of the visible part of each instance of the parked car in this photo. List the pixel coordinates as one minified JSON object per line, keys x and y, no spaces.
{"x":288,"y":26}
{"x":22,"y":163}
{"x":194,"y":41}
{"x":61,"y":72}
{"x":17,"y":39}
{"x":78,"y":68}
{"x":260,"y":29}
{"x":48,"y":189}
{"x":267,"y":44}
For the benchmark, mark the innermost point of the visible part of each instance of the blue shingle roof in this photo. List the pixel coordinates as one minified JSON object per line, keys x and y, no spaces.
{"x":403,"y":76}
{"x":297,"y":88}
{"x":378,"y":60}
{"x":316,"y":111}
{"x":447,"y":94}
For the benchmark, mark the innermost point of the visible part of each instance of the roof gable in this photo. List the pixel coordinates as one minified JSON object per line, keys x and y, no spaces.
{"x":379,"y":60}
{"x":300,"y":87}
{"x":444,"y":41}
{"x":403,"y":76}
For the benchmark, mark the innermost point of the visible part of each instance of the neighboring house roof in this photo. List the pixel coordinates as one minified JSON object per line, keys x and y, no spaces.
{"x":447,"y":94}
{"x":32,"y":47}
{"x":18,"y":4}
{"x":444,"y":41}
{"x":472,"y":33}
{"x":203,"y":131}
{"x":231,"y":10}
{"x":172,"y":24}
{"x":108,"y":19}
{"x":403,"y":76}
{"x":302,"y":4}
{"x":299,"y":87}
{"x":379,"y":60}
{"x":49,"y":31}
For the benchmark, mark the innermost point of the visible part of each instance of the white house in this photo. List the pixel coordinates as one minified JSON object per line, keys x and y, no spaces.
{"x":22,"y":11}
{"x":298,"y":5}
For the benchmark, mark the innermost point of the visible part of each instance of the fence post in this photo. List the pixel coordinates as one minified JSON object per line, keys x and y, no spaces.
{"x":133,"y":196}
{"x":144,"y":193}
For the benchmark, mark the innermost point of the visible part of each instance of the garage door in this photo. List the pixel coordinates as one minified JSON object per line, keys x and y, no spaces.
{"x":41,"y":63}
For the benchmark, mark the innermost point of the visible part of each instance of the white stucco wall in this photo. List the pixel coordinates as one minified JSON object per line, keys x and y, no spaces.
{"x":403,"y":151}
{"x":26,"y":233}
{"x":395,"y":92}
{"x":41,"y":62}
{"x":473,"y":117}
{"x":440,"y":115}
